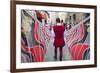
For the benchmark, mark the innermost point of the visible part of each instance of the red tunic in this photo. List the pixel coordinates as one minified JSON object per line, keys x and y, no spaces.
{"x":59,"y":36}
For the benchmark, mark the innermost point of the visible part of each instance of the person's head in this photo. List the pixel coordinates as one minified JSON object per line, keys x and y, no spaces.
{"x":62,"y":21}
{"x":57,"y":20}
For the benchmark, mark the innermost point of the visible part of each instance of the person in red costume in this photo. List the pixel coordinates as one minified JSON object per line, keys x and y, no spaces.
{"x":59,"y":39}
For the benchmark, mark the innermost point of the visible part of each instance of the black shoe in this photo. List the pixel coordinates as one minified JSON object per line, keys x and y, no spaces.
{"x":55,"y":58}
{"x":60,"y":58}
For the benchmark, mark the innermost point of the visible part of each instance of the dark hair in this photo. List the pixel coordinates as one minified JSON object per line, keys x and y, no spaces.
{"x":62,"y":21}
{"x":58,"y":20}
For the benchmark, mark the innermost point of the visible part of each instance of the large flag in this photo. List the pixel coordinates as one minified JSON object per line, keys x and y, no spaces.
{"x":75,"y":34}
{"x":78,"y":49}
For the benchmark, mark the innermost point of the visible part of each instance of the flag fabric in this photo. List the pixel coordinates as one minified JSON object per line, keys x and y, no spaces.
{"x":38,"y":53}
{"x":78,"y":51}
{"x":76,"y":48}
{"x":74,"y":35}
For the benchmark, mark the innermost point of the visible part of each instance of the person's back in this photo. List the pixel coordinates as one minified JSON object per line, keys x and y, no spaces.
{"x":59,"y":35}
